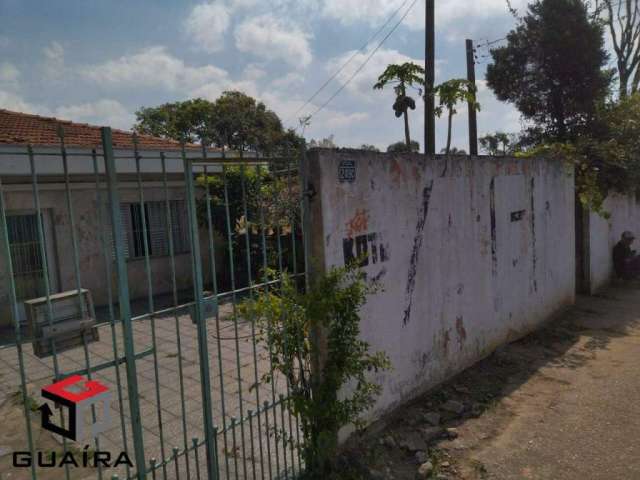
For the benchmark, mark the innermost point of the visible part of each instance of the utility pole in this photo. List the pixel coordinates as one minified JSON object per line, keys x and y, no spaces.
{"x":473,"y":119}
{"x":430,"y":73}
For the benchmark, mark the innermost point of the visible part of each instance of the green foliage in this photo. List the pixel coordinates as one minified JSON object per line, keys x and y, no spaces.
{"x":450,"y":93}
{"x":323,"y":143}
{"x":454,"y":151}
{"x":499,"y":143}
{"x":408,"y":73}
{"x":553,"y":69}
{"x":189,"y":121}
{"x":402,"y":76}
{"x":372,"y":148}
{"x":401,"y":147}
{"x":258,"y":198}
{"x":287,"y":322}
{"x":235,"y":121}
{"x":608,"y":159}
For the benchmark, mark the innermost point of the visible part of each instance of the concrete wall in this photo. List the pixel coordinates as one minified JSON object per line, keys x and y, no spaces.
{"x":604,"y":233}
{"x":470,"y":256}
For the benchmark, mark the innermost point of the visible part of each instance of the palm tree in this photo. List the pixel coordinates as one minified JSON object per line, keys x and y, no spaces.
{"x":402,"y":76}
{"x":450,"y":93}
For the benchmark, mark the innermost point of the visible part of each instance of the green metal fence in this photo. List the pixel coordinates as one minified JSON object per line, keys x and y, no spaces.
{"x":140,"y":260}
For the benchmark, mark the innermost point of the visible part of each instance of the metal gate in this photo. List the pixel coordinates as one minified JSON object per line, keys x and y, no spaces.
{"x":154,"y":252}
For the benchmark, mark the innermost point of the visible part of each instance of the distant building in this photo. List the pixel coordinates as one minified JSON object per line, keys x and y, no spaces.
{"x":18,"y":133}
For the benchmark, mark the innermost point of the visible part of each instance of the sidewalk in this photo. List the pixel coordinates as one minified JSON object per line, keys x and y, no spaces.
{"x":563,"y":403}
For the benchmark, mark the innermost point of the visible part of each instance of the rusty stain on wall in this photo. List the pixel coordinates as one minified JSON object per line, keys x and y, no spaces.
{"x":358,"y":224}
{"x":397,"y":172}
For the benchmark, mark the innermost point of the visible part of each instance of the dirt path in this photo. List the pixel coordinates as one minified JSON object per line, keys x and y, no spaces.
{"x":561,"y":404}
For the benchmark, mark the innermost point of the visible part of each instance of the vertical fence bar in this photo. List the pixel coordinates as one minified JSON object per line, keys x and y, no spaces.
{"x":47,"y":285}
{"x":214,"y":274}
{"x":123,"y":300}
{"x":16,"y":321}
{"x":152,"y":319}
{"x":106,"y":255}
{"x":174,"y":290}
{"x":265,"y":265}
{"x":203,"y":348}
{"x":76,"y":269}
{"x":253,"y":326}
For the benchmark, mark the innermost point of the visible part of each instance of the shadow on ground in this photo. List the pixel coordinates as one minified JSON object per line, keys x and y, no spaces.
{"x":426,"y":430}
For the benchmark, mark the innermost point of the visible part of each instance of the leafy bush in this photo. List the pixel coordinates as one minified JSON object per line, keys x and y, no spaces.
{"x":314,"y":341}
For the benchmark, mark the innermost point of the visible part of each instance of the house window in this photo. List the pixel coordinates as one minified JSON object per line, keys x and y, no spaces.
{"x":154,"y":217}
{"x":26,"y":257}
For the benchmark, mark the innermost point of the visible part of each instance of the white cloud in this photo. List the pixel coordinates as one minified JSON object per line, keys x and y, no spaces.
{"x":207,"y":24}
{"x":9,"y":75}
{"x":243,"y":3}
{"x":101,"y":112}
{"x":13,"y":101}
{"x":154,"y":67}
{"x":289,"y":80}
{"x":274,"y":39}
{"x":253,"y":72}
{"x":376,"y":12}
{"x":54,"y":60}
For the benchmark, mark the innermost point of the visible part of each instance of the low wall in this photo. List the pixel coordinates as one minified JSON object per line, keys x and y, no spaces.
{"x":471,"y":253}
{"x":604,"y":233}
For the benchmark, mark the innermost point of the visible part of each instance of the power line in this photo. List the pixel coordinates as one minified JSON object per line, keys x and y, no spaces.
{"x":350,"y":59}
{"x":359,"y":69}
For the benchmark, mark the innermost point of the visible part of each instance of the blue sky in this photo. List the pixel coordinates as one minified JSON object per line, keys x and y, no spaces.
{"x":97,"y":61}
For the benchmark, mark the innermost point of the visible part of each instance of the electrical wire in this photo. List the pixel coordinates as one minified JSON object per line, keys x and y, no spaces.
{"x":349,"y":60}
{"x":359,"y":69}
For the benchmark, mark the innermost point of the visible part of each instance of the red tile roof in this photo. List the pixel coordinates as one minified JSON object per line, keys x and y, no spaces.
{"x":17,"y":128}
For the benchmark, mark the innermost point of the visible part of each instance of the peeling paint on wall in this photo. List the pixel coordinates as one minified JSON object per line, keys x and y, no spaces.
{"x":451,"y":278}
{"x":415,"y":253}
{"x":494,"y":235}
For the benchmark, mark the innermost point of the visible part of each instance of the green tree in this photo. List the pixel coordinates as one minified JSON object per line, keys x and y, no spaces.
{"x":553,"y":69}
{"x":402,"y":76}
{"x":450,"y":93}
{"x":613,"y":149}
{"x":234,"y":121}
{"x":454,"y":151}
{"x":323,"y":143}
{"x":189,"y":121}
{"x":499,"y":143}
{"x":369,"y":148}
{"x":401,"y":147}
{"x":622,"y":18}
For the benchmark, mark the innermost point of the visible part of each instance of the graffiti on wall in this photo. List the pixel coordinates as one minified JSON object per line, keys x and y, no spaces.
{"x":360,"y":243}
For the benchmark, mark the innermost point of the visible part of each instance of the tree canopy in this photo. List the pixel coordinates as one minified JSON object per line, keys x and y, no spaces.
{"x":553,"y":69}
{"x":401,"y":147}
{"x":235,"y":121}
{"x":499,"y":143}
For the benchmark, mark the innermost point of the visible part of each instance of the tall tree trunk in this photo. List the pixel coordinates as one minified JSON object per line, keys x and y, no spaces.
{"x":407,"y":137}
{"x":449,"y":126}
{"x":624,"y":81}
